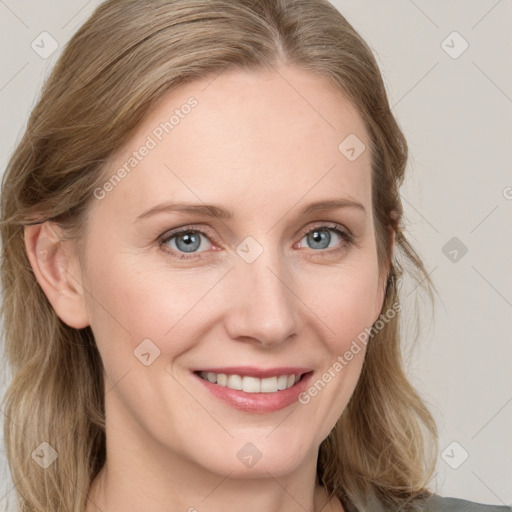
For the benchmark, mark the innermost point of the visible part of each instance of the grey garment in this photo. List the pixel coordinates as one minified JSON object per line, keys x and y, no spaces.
{"x":434,"y":503}
{"x":440,"y":504}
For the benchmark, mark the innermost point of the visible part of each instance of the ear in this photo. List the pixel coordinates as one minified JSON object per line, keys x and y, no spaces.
{"x":391,"y":247}
{"x":57,"y":271}
{"x":383,"y":278}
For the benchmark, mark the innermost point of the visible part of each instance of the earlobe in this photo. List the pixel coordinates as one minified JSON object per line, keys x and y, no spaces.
{"x":57,"y":272}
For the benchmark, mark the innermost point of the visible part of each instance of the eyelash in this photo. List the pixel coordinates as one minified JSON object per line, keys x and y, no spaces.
{"x":344,"y":234}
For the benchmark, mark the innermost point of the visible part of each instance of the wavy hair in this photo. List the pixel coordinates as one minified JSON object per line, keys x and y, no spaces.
{"x":112,"y":72}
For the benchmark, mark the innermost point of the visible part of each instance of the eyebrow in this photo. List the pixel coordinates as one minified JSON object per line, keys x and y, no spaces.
{"x":210,"y":210}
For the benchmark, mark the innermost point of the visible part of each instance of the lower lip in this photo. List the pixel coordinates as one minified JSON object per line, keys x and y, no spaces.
{"x":257,"y":402}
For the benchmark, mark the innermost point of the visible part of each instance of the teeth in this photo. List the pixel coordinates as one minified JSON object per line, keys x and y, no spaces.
{"x":251,"y":384}
{"x":269,"y":385}
{"x":282,"y":382}
{"x":234,"y":382}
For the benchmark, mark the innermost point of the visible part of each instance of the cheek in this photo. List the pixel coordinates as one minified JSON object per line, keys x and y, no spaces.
{"x":132,"y":301}
{"x":133,"y":298}
{"x":346,"y":300}
{"x":346,"y":312}
{"x":175,"y":308}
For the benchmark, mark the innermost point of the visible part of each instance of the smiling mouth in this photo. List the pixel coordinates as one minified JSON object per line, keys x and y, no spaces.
{"x":252,"y":384}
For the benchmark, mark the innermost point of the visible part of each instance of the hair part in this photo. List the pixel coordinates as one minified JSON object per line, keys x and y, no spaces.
{"x":111,"y":74}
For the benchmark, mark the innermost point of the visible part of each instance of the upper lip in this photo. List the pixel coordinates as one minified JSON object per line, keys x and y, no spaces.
{"x":251,"y":371}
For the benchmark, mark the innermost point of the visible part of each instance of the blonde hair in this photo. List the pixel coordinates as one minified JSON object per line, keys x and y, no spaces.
{"x":125,"y":58}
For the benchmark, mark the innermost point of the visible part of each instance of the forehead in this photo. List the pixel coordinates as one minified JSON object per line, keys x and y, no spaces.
{"x":247,"y":139}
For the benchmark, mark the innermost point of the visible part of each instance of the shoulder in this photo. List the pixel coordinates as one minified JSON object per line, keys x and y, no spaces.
{"x":431,"y":503}
{"x":436,"y":503}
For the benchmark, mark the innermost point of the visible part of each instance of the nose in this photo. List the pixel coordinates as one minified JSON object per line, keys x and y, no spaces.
{"x":263,"y":308}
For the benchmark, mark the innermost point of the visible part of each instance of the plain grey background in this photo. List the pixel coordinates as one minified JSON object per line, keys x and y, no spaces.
{"x":447,"y":68}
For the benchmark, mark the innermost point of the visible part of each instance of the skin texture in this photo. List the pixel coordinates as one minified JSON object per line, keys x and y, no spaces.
{"x":263,"y":144}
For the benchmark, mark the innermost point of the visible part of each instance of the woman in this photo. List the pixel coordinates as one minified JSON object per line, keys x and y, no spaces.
{"x":201,"y":233}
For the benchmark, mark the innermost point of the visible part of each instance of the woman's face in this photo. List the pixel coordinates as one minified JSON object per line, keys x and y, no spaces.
{"x":254,"y":287}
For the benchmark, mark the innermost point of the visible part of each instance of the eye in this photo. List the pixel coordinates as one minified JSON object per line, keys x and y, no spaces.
{"x":187,"y":242}
{"x":185,"y":239}
{"x":319,"y":238}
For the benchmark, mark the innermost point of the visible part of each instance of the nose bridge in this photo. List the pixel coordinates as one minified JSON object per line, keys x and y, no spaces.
{"x":265,"y":308}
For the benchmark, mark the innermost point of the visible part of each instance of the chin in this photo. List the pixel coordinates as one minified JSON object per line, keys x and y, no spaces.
{"x":256,"y":458}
